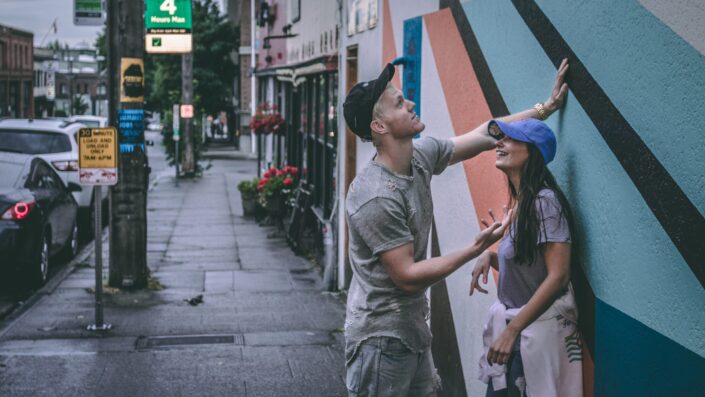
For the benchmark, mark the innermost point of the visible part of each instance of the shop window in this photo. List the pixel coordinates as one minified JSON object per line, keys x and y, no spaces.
{"x":3,"y":55}
{"x":3,"y":99}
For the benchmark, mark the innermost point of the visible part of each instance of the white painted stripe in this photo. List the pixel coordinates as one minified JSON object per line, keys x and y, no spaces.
{"x":685,"y":17}
{"x":457,"y":226}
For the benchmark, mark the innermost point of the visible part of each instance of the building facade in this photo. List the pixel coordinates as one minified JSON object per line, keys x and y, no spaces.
{"x":637,"y":75}
{"x":297,"y":75}
{"x":65,"y":77}
{"x":16,"y":75}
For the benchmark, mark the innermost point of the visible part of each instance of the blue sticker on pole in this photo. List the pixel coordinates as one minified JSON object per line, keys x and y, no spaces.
{"x":411,"y":78}
{"x":131,"y":130}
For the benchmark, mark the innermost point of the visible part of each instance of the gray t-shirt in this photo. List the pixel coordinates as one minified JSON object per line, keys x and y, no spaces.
{"x":519,"y":281}
{"x":386,"y":210}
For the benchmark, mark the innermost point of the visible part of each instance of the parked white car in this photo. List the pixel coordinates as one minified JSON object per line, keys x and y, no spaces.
{"x":55,"y":142}
{"x":90,"y":121}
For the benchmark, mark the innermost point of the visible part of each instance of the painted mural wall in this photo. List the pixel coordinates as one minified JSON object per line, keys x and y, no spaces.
{"x":630,"y":158}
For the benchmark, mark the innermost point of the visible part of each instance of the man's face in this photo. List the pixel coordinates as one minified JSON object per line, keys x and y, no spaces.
{"x":398,"y":114}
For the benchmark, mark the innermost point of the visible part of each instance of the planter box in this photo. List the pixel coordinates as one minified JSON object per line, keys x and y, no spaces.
{"x":248,"y":204}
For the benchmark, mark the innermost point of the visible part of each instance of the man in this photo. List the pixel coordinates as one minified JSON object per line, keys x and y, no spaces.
{"x":389,"y":214}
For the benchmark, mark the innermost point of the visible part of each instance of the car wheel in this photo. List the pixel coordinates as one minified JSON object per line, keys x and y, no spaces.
{"x":71,"y":248}
{"x":39,"y":269}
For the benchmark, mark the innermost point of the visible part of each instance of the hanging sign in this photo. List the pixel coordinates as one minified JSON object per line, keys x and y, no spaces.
{"x":97,"y":156}
{"x":168,"y":24}
{"x":88,"y":12}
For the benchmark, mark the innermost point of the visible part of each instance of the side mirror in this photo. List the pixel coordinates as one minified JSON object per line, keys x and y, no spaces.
{"x":74,"y":187}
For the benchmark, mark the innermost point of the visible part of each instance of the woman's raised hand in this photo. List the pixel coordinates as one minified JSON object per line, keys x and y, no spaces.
{"x":482,"y":268}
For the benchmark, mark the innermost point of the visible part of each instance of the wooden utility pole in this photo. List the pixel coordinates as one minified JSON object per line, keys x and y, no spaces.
{"x":188,"y":161}
{"x":128,"y":199}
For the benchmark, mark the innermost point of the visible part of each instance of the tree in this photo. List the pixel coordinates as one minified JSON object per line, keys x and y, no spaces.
{"x":215,"y":38}
{"x":78,"y":105}
{"x":101,"y":48}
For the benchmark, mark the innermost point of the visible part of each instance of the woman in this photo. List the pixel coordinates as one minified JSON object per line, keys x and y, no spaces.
{"x":531,"y":341}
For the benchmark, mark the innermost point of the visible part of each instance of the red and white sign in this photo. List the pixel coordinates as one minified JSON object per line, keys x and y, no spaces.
{"x":186,"y":111}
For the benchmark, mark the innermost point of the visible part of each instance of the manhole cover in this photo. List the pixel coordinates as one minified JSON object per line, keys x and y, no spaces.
{"x":149,"y":342}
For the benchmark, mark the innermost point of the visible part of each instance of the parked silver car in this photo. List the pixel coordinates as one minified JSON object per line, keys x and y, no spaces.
{"x":55,"y":142}
{"x":90,"y":121}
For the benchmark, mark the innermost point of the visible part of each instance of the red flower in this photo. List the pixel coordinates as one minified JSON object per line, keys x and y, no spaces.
{"x":287,"y":168}
{"x":280,"y":173}
{"x":287,"y":181}
{"x":294,"y":171}
{"x":272,"y":170}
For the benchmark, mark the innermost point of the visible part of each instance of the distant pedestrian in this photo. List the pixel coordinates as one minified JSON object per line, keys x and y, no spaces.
{"x":389,"y":213}
{"x":532,"y":344}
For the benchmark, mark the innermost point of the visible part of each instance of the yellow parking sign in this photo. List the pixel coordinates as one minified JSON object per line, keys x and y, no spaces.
{"x":97,"y":156}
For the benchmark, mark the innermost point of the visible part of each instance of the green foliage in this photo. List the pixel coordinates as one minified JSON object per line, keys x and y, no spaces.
{"x":101,"y":45}
{"x":248,"y":187}
{"x":78,"y":105}
{"x":170,"y":144}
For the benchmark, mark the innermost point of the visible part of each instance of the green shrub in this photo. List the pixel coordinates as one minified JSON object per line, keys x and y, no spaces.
{"x":248,"y":187}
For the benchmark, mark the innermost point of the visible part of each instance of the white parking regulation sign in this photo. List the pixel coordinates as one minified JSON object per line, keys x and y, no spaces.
{"x":97,"y":156}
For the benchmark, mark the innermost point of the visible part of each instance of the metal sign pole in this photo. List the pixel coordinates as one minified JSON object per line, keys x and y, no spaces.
{"x":176,"y":154}
{"x":175,"y":126}
{"x":97,"y":201}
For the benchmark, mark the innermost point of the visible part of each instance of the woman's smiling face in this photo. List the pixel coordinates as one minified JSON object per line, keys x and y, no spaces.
{"x":511,"y":155}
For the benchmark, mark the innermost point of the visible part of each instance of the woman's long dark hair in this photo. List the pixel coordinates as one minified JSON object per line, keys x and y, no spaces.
{"x":535,"y":177}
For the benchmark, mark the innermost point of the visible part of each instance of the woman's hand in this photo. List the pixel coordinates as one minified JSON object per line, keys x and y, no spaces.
{"x":560,"y":88}
{"x":501,"y":349}
{"x":493,"y":232}
{"x":482,"y":267}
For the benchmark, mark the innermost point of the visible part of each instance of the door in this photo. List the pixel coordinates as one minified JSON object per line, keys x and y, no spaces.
{"x":350,"y":148}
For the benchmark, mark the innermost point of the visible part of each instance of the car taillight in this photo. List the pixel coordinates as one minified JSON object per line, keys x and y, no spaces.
{"x":18,"y":211}
{"x":66,"y":165}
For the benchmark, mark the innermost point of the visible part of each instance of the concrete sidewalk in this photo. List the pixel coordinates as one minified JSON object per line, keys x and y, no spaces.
{"x":264,"y":327}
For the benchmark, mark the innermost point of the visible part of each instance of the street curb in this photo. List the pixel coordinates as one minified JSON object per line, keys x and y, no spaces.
{"x":47,"y":289}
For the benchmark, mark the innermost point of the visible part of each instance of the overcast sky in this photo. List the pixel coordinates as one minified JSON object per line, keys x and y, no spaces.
{"x":36,"y":16}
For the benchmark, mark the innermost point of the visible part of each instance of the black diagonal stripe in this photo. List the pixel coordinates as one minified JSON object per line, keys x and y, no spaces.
{"x":675,"y":212}
{"x":444,"y":347}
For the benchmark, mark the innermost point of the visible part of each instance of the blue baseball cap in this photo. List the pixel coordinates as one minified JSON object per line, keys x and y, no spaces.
{"x":530,"y":131}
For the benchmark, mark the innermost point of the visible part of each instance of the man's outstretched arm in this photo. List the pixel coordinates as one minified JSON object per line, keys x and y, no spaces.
{"x":411,"y":277}
{"x":478,"y":140}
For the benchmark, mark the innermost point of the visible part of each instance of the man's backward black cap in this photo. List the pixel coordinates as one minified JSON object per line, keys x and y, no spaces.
{"x":359,"y":102}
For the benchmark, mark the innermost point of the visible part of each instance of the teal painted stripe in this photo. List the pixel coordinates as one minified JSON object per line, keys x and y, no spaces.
{"x":629,"y":260}
{"x":633,"y":360}
{"x":656,"y":79}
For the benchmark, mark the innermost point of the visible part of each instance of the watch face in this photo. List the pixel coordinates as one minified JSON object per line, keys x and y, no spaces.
{"x":495,"y":132}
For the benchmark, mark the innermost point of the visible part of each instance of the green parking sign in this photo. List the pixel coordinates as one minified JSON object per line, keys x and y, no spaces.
{"x":167,"y":15}
{"x":168,"y":24}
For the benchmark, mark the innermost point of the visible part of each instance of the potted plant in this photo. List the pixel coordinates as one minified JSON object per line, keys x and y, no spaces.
{"x":267,"y":120}
{"x":275,"y":189}
{"x":248,"y":193}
